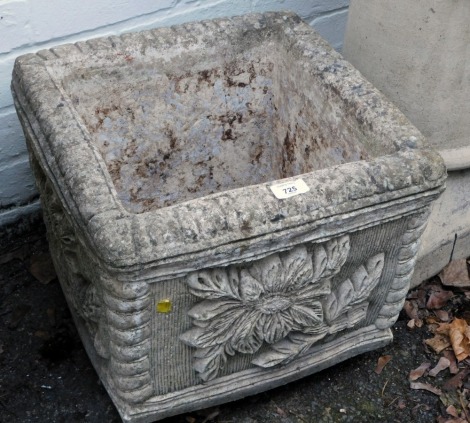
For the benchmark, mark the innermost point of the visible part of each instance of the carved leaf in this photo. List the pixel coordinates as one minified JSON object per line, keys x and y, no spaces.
{"x":91,"y":308}
{"x":214,"y":284}
{"x":199,"y":338}
{"x":298,"y":269}
{"x":337,"y":251}
{"x":208,"y":310}
{"x":329,"y":257}
{"x":366,"y":279}
{"x":246,"y":336}
{"x":349,"y":319}
{"x":345,"y":294}
{"x":280,"y":353}
{"x":320,"y":260}
{"x":269,"y":273}
{"x":276,"y":326}
{"x":305,"y":341}
{"x":101,"y":341}
{"x":305,"y":317}
{"x":213,"y":332}
{"x":272,"y":358}
{"x":209,"y":361}
{"x":337,"y":302}
{"x":354,"y":291}
{"x":331,"y":307}
{"x":309,"y":294}
{"x":288,"y":349}
{"x":250,"y":288}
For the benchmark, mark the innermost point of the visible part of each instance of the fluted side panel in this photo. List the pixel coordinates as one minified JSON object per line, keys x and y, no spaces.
{"x":129,"y":307}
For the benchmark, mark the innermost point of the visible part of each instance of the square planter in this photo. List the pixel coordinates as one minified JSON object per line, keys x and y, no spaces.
{"x":230,"y":205}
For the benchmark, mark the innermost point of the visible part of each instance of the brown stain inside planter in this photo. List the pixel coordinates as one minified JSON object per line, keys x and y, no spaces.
{"x":288,"y":157}
{"x":171,"y":136}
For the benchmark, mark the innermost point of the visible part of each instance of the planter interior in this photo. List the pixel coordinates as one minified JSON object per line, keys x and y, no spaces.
{"x":190,"y":280}
{"x":170,"y":130}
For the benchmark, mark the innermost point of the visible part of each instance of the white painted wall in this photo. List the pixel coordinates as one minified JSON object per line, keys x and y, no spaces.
{"x":30,"y":25}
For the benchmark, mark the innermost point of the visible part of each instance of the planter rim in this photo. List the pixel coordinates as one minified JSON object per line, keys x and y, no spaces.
{"x":407,"y":166}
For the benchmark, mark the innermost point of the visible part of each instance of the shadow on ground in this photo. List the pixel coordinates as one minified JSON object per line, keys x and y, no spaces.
{"x":45,"y":375}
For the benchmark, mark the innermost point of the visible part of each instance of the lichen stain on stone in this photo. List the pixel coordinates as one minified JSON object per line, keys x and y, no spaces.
{"x":288,"y":156}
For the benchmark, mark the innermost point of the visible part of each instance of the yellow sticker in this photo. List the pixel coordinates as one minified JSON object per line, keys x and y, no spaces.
{"x":164,"y":306}
{"x":289,"y":189}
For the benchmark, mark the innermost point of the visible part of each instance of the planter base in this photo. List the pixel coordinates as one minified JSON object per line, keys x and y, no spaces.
{"x":251,"y":382}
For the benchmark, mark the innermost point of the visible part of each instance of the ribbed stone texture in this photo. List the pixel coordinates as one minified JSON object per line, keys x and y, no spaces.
{"x":193,"y":276}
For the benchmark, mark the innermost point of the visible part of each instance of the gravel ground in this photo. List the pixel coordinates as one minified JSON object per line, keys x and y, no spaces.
{"x":45,"y":375}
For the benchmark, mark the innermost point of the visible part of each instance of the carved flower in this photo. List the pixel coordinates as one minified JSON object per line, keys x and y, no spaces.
{"x":264,"y":302}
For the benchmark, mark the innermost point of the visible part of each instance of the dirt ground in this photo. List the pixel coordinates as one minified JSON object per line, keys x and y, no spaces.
{"x":45,"y":375}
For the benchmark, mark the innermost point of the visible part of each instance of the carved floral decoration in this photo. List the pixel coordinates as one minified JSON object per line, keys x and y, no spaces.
{"x":81,"y":293}
{"x":284,"y":301}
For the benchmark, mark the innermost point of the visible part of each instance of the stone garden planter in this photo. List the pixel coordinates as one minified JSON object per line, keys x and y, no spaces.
{"x":230,"y":205}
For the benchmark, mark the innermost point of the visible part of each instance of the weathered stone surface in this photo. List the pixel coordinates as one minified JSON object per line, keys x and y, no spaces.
{"x":190,"y":281}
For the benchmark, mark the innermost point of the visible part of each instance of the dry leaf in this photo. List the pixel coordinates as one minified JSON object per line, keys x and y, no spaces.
{"x":432,"y":320}
{"x":425,"y":387}
{"x":442,"y":315}
{"x":455,"y":274}
{"x":42,"y":269}
{"x":422,"y":293}
{"x":453,"y":368}
{"x":190,"y":419}
{"x":449,"y":398}
{"x":443,"y":364}
{"x":401,"y":404}
{"x":438,"y":343}
{"x":458,"y":332}
{"x":415,"y":323}
{"x":418,"y":372}
{"x":281,"y":412}
{"x":452,"y":411}
{"x":382,"y":362}
{"x":438,"y":299}
{"x":411,"y":324}
{"x":411,"y":309}
{"x":456,"y":382}
{"x":211,"y":416}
